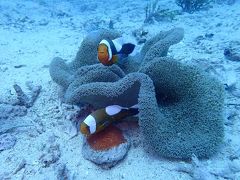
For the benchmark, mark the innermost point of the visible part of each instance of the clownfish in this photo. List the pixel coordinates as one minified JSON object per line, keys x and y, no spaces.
{"x":112,"y":51}
{"x":101,"y":118}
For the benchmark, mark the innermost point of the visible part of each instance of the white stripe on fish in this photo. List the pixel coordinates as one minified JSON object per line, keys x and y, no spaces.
{"x":91,"y":122}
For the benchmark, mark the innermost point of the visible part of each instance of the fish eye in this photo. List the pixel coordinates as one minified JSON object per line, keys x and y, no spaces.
{"x":102,"y":47}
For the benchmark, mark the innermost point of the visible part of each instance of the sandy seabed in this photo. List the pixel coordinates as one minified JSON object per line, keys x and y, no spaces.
{"x":32,"y":33}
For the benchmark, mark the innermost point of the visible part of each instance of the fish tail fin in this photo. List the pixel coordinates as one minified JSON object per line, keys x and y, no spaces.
{"x":133,"y":110}
{"x":135,"y":106}
{"x":127,"y":48}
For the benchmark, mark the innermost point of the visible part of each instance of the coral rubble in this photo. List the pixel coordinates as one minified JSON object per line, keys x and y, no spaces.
{"x":7,"y":141}
{"x":232,"y":52}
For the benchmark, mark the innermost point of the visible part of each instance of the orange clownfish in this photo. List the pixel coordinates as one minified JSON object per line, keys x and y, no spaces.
{"x":101,"y":118}
{"x":112,"y":51}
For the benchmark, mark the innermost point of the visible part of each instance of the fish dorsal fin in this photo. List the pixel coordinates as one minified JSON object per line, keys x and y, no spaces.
{"x":118,"y":43}
{"x":91,"y":122}
{"x":127,"y":48}
{"x":135,"y":106}
{"x":113,"y":109}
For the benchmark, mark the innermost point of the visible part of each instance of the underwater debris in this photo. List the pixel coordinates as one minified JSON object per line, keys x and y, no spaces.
{"x":196,"y":169}
{"x":23,"y":99}
{"x":20,"y":66}
{"x":199,"y":170}
{"x":20,"y":166}
{"x":228,"y":2}
{"x":191,"y":6}
{"x":9,"y":111}
{"x":153,"y":12}
{"x":111,"y":24}
{"x":106,"y":148}
{"x":3,"y":67}
{"x":232,"y":53}
{"x":62,"y":172}
{"x":7,"y":141}
{"x":43,"y":22}
{"x":95,"y":24}
{"x":207,"y":36}
{"x":231,"y":84}
{"x":140,"y":35}
{"x":19,"y":107}
{"x":51,"y":155}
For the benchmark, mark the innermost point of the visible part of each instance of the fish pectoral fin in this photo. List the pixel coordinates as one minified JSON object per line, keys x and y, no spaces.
{"x":115,"y":59}
{"x":104,"y":124}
